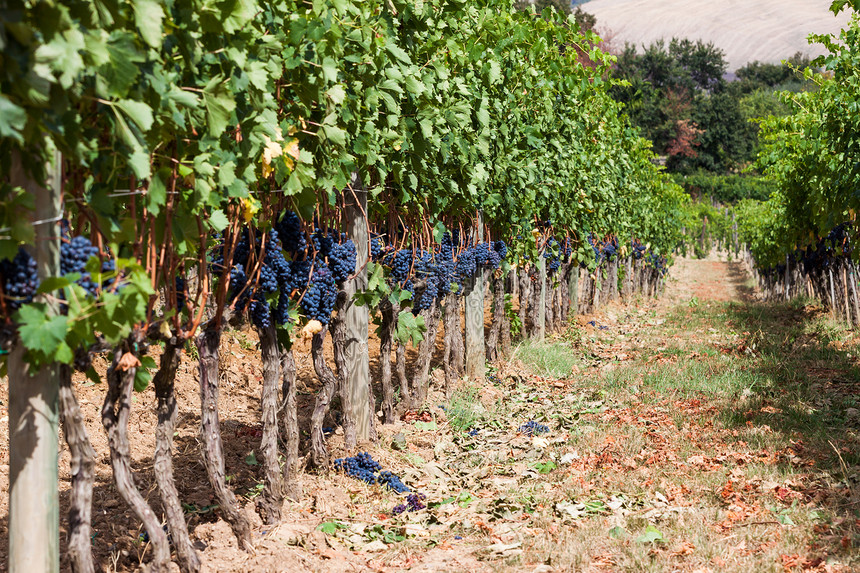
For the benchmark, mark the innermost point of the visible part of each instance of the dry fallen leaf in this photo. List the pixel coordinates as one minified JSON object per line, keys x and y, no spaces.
{"x":127,"y":362}
{"x":311,"y":328}
{"x":686,"y":548}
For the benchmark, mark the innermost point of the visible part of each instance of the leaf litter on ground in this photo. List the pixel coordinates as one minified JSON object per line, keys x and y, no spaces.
{"x":624,"y":460}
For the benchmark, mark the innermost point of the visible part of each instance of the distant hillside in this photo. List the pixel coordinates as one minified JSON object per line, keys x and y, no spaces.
{"x":747,"y":30}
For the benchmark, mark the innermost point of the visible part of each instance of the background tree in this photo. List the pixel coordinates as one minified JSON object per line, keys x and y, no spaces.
{"x":682,"y":99}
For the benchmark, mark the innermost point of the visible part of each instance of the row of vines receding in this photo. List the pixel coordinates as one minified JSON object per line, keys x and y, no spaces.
{"x":304,"y":166}
{"x":800,"y":241}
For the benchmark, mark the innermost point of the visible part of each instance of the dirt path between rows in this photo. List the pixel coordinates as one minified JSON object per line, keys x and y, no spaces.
{"x":713,"y":278}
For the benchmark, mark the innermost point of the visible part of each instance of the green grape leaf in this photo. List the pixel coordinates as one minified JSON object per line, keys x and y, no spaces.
{"x":148,"y":15}
{"x":39,"y":331}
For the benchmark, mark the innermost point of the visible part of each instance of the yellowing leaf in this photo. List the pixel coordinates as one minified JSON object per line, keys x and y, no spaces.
{"x":249,"y":209}
{"x":271,"y":150}
{"x":291,"y":152}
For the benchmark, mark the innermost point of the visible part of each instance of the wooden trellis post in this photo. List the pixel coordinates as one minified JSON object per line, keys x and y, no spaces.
{"x":735,"y":233}
{"x":573,"y":291}
{"x":357,"y":317}
{"x":475,"y":351}
{"x":541,"y":297}
{"x":34,"y":505}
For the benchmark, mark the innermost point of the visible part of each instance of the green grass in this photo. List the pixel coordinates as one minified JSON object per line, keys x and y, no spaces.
{"x":548,"y":359}
{"x":464,"y":408}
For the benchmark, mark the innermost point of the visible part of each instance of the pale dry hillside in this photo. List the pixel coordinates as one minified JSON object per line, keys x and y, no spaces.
{"x":747,"y":30}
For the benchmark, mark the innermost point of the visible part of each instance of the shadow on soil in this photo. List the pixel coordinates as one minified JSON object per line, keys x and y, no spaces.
{"x":740,"y":280}
{"x":807,"y":393}
{"x":118,"y":542}
{"x":808,"y":382}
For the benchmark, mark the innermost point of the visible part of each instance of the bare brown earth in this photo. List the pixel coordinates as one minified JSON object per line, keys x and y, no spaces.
{"x":622,"y":459}
{"x":713,"y":278}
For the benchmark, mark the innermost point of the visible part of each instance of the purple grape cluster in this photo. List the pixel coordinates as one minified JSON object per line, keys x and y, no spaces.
{"x":319,"y":300}
{"x":324,"y":241}
{"x":593,"y":244}
{"x":481,"y":253}
{"x":298,"y":276}
{"x":446,"y":248}
{"x":445,"y":267}
{"x":376,"y":248}
{"x":20,"y":279}
{"x":291,"y":232}
{"x":409,"y":287}
{"x":392,"y":482}
{"x":605,"y":251}
{"x":414,"y":502}
{"x":181,"y":293}
{"x":551,"y":254}
{"x":401,"y":264}
{"x":493,"y":259}
{"x":276,"y":275}
{"x":428,"y":295}
{"x":502,"y":249}
{"x":342,"y":260}
{"x":657,"y":262}
{"x":438,"y":269}
{"x":238,"y":279}
{"x":427,"y":269}
{"x":466,"y":266}
{"x":268,"y":282}
{"x":532,"y":428}
{"x":610,"y":249}
{"x":74,"y":256}
{"x":261,"y":311}
{"x":362,"y":467}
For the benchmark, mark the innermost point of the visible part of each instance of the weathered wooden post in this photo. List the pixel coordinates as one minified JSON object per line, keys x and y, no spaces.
{"x":541,"y":297}
{"x":832,"y":292}
{"x":573,"y":291}
{"x":845,"y":296}
{"x":357,"y":317}
{"x":737,"y":247}
{"x":34,"y":520}
{"x":475,"y":352}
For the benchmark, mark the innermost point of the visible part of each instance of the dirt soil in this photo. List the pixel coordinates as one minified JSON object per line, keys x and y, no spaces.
{"x":710,"y":279}
{"x":645,"y":466}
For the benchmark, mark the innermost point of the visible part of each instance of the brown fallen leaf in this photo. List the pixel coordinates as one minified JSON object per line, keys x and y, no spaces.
{"x":311,"y":328}
{"x":127,"y":362}
{"x":686,"y":548}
